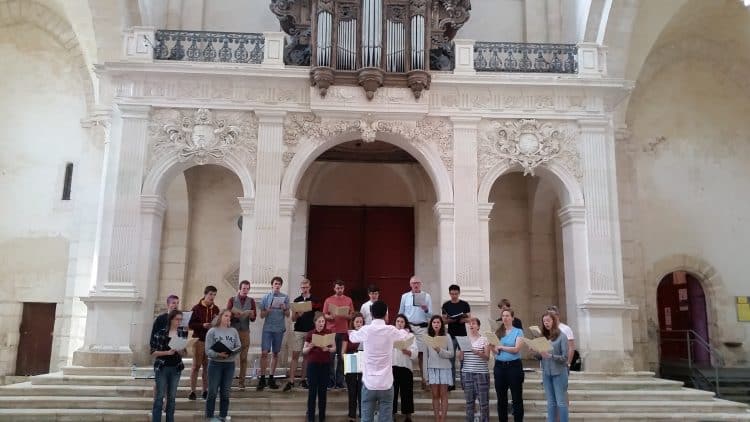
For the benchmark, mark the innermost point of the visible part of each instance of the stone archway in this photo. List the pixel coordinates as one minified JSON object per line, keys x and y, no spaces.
{"x":429,"y":142}
{"x":723,"y":329}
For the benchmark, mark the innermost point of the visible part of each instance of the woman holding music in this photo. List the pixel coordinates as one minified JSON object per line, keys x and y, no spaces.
{"x":318,"y":367}
{"x":439,"y":353}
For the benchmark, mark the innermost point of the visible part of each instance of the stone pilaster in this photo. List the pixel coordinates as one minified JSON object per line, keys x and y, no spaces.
{"x":248,"y":232}
{"x":603,"y":315}
{"x":446,"y":248}
{"x":287,"y":207}
{"x":466,"y":221}
{"x":113,"y":301}
{"x":268,"y":181}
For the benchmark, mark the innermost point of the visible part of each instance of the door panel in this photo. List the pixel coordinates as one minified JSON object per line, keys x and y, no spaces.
{"x":35,"y":343}
{"x":362,"y":246}
{"x":681,"y":306}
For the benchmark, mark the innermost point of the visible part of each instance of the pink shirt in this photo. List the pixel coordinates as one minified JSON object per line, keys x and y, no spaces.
{"x":339,"y":324}
{"x":378,"y":339}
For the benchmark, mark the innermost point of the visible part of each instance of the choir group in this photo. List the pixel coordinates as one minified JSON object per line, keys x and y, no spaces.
{"x":358,"y":351}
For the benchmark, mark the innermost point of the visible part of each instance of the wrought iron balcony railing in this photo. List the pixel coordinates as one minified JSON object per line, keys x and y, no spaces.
{"x":204,"y":46}
{"x":525,"y":57}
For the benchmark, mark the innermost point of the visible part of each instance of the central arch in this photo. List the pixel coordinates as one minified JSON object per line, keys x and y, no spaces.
{"x":309,"y":150}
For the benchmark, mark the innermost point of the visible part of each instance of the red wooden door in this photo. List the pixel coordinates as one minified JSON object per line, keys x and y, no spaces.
{"x":362,"y":246}
{"x":389,"y":252}
{"x":35,"y":343}
{"x":682,"y":306}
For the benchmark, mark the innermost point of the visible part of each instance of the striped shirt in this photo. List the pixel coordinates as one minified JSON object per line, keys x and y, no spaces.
{"x":472,"y":362}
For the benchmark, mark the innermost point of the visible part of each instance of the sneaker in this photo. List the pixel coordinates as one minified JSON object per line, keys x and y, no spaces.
{"x":272,"y":384}
{"x":261,"y":384}
{"x":288,"y":386}
{"x":192,"y":396}
{"x":303,"y":384}
{"x":451,"y":387}
{"x":340,"y":386}
{"x":204,"y":395}
{"x":242,"y":387}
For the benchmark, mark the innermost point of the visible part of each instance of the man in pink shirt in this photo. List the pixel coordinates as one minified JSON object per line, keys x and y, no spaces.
{"x":377,"y":376}
{"x":338,"y":324}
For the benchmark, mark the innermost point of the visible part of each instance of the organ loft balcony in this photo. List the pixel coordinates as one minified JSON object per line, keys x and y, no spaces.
{"x":367,"y":43}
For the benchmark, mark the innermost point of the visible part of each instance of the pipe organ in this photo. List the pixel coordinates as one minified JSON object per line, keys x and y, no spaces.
{"x":370,"y":43}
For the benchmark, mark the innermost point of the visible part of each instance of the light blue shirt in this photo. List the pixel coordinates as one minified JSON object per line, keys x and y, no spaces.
{"x":415,"y":314}
{"x":509,"y":340}
{"x":274,"y":321}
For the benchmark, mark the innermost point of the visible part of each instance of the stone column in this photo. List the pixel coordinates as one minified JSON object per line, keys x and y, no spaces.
{"x":70,"y":325}
{"x":446,"y":250}
{"x":248,"y":232}
{"x":153,"y":209}
{"x":603,"y":317}
{"x":483,"y":211}
{"x":466,"y":222}
{"x":113,"y":300}
{"x":268,"y":181}
{"x":286,"y":219}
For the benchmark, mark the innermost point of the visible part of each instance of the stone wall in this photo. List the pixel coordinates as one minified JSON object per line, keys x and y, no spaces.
{"x":41,"y":108}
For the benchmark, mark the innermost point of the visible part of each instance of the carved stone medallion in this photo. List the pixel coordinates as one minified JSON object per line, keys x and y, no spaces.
{"x":529,"y":144}
{"x":203,"y":136}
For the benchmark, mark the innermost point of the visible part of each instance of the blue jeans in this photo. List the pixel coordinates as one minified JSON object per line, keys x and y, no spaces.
{"x":555,"y":389}
{"x":337,"y":364}
{"x":167,"y":378}
{"x":220,"y":376}
{"x":453,"y":362}
{"x":385,"y":406}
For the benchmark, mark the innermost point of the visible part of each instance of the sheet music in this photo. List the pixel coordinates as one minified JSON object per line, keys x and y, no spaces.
{"x":420,"y":299}
{"x":302,"y":306}
{"x":464,"y":342}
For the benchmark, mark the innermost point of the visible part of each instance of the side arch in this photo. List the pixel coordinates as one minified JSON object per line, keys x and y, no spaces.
{"x":566,"y":186}
{"x":722,"y":329}
{"x":309,"y":150}
{"x":47,"y":20}
{"x":165,"y":170}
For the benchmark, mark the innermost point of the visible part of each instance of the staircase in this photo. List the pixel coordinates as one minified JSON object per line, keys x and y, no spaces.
{"x":734,"y":383}
{"x":112,"y":394}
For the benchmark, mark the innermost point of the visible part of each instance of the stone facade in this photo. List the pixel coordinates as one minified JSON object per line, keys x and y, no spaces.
{"x":571,"y":186}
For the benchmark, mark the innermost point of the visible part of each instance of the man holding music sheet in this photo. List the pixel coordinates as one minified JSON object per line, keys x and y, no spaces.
{"x":274,"y":308}
{"x":456,"y":315}
{"x":243,"y":312}
{"x":338,"y":310}
{"x":303,"y":319}
{"x":416,"y":305}
{"x":377,"y":374}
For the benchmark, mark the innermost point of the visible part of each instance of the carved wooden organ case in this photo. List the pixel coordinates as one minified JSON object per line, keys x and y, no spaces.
{"x":371,"y":43}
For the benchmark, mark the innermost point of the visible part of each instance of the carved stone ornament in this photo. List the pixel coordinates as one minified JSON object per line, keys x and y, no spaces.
{"x":528,"y":143}
{"x":203,"y":136}
{"x":432,"y":133}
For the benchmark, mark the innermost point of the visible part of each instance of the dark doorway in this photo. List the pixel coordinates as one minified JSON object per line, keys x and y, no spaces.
{"x":362,"y":246}
{"x":35,"y":343}
{"x":681,"y":306}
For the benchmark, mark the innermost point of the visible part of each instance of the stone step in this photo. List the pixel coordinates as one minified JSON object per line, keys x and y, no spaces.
{"x":533,"y":381}
{"x":338,"y":400}
{"x":334,"y":415}
{"x":534,"y":393}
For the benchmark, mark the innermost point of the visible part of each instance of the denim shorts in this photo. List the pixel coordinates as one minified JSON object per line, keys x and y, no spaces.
{"x":271,"y":341}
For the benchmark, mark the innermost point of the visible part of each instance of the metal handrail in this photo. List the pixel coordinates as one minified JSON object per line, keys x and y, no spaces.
{"x":717,"y":360}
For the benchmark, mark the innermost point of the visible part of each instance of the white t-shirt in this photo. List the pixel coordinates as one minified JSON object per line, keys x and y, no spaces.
{"x":365,"y":311}
{"x":566,"y":330}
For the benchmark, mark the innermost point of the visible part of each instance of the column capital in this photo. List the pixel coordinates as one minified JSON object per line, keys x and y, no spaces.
{"x":572,"y":214}
{"x":594,"y":124}
{"x":484,"y":209}
{"x":247,"y":204}
{"x":465,"y":122}
{"x":134,"y":111}
{"x":287,"y":206}
{"x":153,"y":204}
{"x":271,"y":116}
{"x":444,"y":210}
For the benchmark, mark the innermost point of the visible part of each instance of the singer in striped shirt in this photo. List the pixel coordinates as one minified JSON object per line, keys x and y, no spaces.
{"x":475,"y":375}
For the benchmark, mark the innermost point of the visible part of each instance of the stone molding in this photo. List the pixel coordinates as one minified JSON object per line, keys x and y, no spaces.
{"x":433,"y":133}
{"x":202,"y":136}
{"x":528,"y":143}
